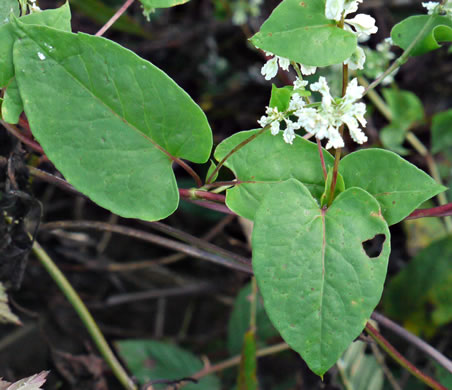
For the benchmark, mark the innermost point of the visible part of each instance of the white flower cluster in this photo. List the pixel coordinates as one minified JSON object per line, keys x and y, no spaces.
{"x":361,"y":25}
{"x":433,"y":7}
{"x":324,"y":119}
{"x":270,"y":68}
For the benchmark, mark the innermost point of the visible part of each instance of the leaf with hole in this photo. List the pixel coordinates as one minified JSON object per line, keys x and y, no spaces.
{"x":151,"y":360}
{"x":119,"y":122}
{"x":272,"y":161}
{"x":318,"y":283}
{"x":439,"y":31}
{"x":299,"y":30}
{"x":380,"y":173}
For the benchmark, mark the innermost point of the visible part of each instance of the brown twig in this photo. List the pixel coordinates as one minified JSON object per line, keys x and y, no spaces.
{"x":195,"y":241}
{"x":412,"y":339}
{"x":149,"y":237}
{"x":27,"y":141}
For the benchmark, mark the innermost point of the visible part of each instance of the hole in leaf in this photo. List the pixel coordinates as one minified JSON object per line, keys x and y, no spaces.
{"x":374,"y":246}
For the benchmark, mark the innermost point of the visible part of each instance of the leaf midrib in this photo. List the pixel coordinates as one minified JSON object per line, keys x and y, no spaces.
{"x":98,"y":99}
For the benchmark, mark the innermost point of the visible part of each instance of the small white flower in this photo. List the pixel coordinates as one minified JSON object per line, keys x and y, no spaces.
{"x":354,"y":91}
{"x":289,"y":132}
{"x":430,"y":6}
{"x":296,"y":102}
{"x":299,"y":84}
{"x":364,"y":26}
{"x":322,"y":87}
{"x":434,"y":7}
{"x":357,"y":59}
{"x":270,"y":69}
{"x":307,"y":70}
{"x":335,"y":8}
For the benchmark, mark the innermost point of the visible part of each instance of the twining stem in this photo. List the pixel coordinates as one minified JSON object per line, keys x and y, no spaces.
{"x":337,"y":155}
{"x":115,"y":17}
{"x":85,"y":316}
{"x":322,"y":159}
{"x":189,"y":170}
{"x":403,"y":58}
{"x":235,"y":149}
{"x":384,"y":344}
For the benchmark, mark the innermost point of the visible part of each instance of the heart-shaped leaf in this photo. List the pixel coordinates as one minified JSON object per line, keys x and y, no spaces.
{"x":300,"y":31}
{"x":268,"y":160}
{"x":318,"y":283}
{"x":440,"y":30}
{"x":399,"y":186}
{"x":118,"y":122}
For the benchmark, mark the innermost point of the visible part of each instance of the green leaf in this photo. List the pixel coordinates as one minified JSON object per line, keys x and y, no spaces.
{"x":268,"y":160}
{"x":318,"y":283}
{"x":280,"y":97}
{"x":442,"y":131}
{"x":392,"y":137}
{"x":6,"y":315}
{"x":161,"y":3}
{"x":8,"y":7}
{"x":247,"y":379}
{"x":406,"y":108}
{"x":360,"y":370}
{"x":420,"y":295}
{"x":151,"y":360}
{"x":117,"y":122}
{"x":150,"y":5}
{"x":299,"y":30}
{"x":399,"y":186}
{"x":57,"y":18}
{"x":239,"y":321}
{"x":407,"y":30}
{"x":12,"y":106}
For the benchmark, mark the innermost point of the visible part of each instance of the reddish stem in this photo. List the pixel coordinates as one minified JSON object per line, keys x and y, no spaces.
{"x":400,"y":359}
{"x":114,"y":18}
{"x":322,"y":159}
{"x":440,"y":211}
